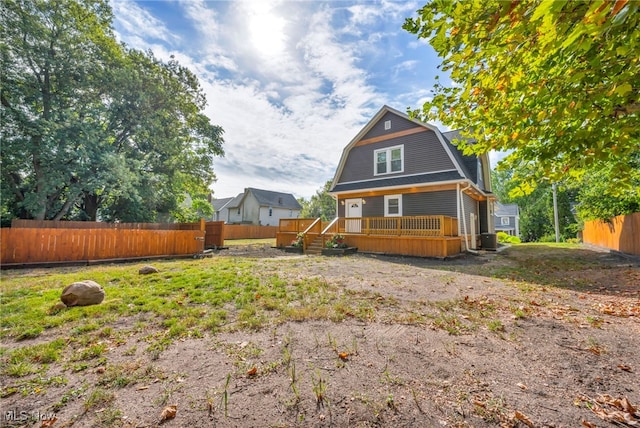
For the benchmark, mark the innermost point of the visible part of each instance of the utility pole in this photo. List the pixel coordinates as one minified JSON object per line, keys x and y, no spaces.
{"x":555,"y":212}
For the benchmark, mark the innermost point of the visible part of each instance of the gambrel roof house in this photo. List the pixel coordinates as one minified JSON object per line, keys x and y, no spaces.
{"x":399,"y":167}
{"x":261,"y":207}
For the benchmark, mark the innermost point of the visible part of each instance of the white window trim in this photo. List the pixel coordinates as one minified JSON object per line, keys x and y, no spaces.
{"x":386,"y":205}
{"x":502,"y":221}
{"x":388,"y":150}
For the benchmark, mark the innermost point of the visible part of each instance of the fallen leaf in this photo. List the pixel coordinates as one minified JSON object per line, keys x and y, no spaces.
{"x":100,"y":370}
{"x":344,"y":356}
{"x":624,"y":367}
{"x":623,"y":411}
{"x":524,"y":419}
{"x":141,"y":388}
{"x":252,"y":371}
{"x":168,"y":412}
{"x":588,"y":424}
{"x":627,"y":407}
{"x":521,"y":385}
{"x":48,"y":422}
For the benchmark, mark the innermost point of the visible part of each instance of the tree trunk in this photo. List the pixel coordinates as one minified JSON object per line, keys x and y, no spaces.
{"x":91,"y":203}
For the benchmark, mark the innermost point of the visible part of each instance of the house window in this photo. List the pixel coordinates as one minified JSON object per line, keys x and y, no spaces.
{"x":389,"y":160}
{"x":270,"y":212}
{"x":392,"y":205}
{"x":504,"y":221}
{"x":387,"y":125}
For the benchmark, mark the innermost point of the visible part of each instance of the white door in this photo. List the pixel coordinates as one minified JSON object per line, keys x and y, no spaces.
{"x":353,"y":209}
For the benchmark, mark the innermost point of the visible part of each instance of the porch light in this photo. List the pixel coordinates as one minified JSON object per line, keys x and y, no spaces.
{"x":342,"y":202}
{"x":364,"y":201}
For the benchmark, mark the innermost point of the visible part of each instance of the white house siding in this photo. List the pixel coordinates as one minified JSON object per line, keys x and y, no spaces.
{"x":276,"y":215}
{"x":251,"y":212}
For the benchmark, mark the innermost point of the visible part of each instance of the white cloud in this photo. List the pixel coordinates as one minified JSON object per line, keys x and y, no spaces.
{"x":286,"y":83}
{"x":138,"y":21}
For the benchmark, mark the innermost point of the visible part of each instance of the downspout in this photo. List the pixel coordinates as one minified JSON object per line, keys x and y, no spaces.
{"x":464,"y":220}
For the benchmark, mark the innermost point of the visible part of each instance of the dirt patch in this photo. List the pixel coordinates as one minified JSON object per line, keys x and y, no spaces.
{"x":478,"y":341}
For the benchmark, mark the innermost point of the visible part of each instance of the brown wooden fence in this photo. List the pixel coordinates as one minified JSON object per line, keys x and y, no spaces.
{"x":622,"y":233}
{"x":248,"y":231}
{"x":52,"y":224}
{"x":214,"y":238}
{"x":90,"y":241}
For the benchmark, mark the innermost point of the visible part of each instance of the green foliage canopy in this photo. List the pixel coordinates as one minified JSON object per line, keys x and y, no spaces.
{"x":320,"y":205}
{"x":556,"y":82}
{"x":91,"y":126}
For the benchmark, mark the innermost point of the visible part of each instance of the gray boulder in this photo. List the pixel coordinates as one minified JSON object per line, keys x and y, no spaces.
{"x":146,"y":270}
{"x":83,"y":293}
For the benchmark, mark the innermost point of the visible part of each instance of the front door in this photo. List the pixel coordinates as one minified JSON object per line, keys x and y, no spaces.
{"x":353,"y":213}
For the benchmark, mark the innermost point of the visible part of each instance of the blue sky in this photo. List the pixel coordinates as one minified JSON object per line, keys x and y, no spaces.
{"x":291,"y":82}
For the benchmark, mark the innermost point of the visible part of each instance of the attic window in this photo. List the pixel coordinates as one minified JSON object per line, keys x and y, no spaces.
{"x":279,"y":201}
{"x":388,"y":160}
{"x":387,"y":125}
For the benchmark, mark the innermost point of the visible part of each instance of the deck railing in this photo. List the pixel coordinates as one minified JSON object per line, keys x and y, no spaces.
{"x":437,"y":225}
{"x":295,"y":224}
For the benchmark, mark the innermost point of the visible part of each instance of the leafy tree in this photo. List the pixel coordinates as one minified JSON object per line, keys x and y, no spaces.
{"x":536,"y":207}
{"x":594,"y":202}
{"x":556,"y":82}
{"x":92,"y":128}
{"x":320,"y":205}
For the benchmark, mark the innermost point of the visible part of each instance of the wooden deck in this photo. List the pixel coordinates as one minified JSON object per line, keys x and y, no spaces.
{"x":422,"y":236}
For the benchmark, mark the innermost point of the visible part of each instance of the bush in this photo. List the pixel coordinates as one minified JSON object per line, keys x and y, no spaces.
{"x":549,"y":237}
{"x":505,"y":238}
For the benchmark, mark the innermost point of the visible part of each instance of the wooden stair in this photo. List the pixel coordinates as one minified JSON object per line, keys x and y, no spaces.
{"x":315,"y":247}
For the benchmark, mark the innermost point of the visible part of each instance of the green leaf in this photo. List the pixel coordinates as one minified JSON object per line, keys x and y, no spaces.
{"x":623,"y":89}
{"x":544,"y":8}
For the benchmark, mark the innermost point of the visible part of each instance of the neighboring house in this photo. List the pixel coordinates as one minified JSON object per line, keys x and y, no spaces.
{"x":261,"y":207}
{"x":507,"y":219}
{"x":220,"y":209}
{"x":400,"y":167}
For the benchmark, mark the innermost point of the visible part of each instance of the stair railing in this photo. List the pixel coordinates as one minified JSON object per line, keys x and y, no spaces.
{"x":317,"y":224}
{"x":330,"y":227}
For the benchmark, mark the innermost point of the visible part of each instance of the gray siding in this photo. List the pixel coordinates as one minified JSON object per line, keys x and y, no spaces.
{"x":432,"y":203}
{"x":499,"y":225}
{"x":484,"y":226}
{"x":397,"y":124}
{"x":470,"y":206}
{"x":374,"y":207}
{"x":480,"y":167}
{"x":423,"y":152}
{"x":413,"y":204}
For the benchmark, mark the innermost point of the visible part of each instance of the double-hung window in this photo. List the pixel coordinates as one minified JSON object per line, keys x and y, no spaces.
{"x":389,"y":160}
{"x":504,"y":221}
{"x":392,"y":205}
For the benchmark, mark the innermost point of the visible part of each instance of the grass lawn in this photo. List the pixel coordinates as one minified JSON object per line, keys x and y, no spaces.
{"x":102,"y":357}
{"x":235,"y":242}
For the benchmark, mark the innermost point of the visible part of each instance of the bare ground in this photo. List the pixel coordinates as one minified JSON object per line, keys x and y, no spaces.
{"x":478,"y":341}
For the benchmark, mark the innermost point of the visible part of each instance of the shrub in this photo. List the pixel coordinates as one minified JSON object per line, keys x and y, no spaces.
{"x":337,"y":241}
{"x":299,"y":241}
{"x":505,"y":238}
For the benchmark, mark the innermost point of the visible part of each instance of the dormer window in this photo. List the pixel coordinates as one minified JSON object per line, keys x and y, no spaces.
{"x":389,"y":160}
